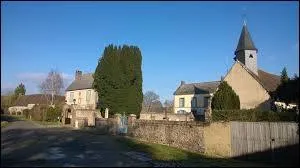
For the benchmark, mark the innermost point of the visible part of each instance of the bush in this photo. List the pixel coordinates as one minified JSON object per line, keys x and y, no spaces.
{"x":225,"y":98}
{"x":26,"y":113}
{"x":53,"y":113}
{"x":253,"y":115}
{"x":38,"y":112}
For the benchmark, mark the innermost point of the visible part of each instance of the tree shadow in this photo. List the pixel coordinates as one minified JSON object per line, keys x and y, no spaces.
{"x":281,"y":157}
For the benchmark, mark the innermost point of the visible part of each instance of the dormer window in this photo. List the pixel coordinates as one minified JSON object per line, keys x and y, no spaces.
{"x":251,"y":56}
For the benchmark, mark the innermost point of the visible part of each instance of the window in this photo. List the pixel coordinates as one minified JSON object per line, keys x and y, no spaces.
{"x":88,"y":96}
{"x":181,"y":112}
{"x":79,"y":97}
{"x":251,"y":56}
{"x":194,"y":102}
{"x":206,"y":101}
{"x":71,"y":97}
{"x":181,"y":102}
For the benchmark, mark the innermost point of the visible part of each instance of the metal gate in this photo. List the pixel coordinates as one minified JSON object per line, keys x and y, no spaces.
{"x":123,"y":125}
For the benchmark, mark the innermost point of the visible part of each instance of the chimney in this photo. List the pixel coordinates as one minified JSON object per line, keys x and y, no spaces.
{"x":78,"y":75}
{"x":182,"y":83}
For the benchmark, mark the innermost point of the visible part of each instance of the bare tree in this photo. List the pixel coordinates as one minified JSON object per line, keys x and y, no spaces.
{"x":53,"y":85}
{"x":169,"y":104}
{"x":149,"y":98}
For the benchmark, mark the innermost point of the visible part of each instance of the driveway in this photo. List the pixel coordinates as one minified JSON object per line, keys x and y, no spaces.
{"x":26,"y":144}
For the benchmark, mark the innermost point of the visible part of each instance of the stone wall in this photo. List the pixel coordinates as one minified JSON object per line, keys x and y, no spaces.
{"x":107,"y":125}
{"x":211,"y":138}
{"x":170,"y":116}
{"x":185,"y":135}
{"x":15,"y":109}
{"x":88,"y":115}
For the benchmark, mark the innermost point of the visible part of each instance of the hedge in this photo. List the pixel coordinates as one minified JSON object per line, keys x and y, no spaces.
{"x":53,"y":113}
{"x":253,"y":115}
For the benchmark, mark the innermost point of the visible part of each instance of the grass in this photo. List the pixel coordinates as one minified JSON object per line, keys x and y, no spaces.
{"x":4,"y":124}
{"x":21,"y":117}
{"x":164,"y":153}
{"x":47,"y":123}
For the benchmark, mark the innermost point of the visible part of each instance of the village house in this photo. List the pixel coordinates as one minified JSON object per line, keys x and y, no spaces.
{"x":80,"y":92}
{"x":252,"y":85}
{"x":29,"y":101}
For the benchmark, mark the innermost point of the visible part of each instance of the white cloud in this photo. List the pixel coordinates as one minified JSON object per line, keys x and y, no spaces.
{"x":38,"y":77}
{"x":31,"y":80}
{"x":35,"y":77}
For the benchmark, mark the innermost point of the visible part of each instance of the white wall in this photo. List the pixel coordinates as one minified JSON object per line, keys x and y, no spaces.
{"x":188,"y":102}
{"x":81,"y":98}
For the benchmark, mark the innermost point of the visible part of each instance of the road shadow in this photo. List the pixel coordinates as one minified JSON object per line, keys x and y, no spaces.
{"x":283,"y":156}
{"x":60,"y":147}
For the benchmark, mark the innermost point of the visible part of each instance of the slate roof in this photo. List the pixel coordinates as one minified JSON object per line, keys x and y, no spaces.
{"x":245,"y":41}
{"x":86,"y":82}
{"x":269,"y":81}
{"x":197,"y":88}
{"x":38,"y":99}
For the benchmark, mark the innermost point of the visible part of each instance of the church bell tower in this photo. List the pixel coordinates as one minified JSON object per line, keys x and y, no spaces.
{"x":246,"y":52}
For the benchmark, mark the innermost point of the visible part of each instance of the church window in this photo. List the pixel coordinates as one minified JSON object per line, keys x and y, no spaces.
{"x":251,"y":56}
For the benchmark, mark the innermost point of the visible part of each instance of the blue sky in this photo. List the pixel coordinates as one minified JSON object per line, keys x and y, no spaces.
{"x":190,"y":41}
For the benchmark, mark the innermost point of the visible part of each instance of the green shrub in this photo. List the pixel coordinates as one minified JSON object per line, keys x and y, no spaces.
{"x":26,"y":113}
{"x":38,"y":112}
{"x":253,"y":115}
{"x":53,"y":113}
{"x":225,"y":98}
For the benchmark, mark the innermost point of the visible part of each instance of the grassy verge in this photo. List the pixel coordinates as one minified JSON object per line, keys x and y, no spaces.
{"x":164,"y":153}
{"x":4,"y":124}
{"x":47,"y":123}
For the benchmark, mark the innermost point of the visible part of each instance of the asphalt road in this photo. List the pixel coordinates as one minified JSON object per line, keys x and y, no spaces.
{"x":26,"y":144}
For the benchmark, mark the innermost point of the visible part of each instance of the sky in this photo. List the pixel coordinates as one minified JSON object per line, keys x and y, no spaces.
{"x":179,"y":41}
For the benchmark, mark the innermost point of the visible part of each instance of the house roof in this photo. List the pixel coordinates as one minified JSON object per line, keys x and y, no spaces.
{"x":38,"y":99}
{"x":197,"y":88}
{"x":245,"y":41}
{"x":86,"y":82}
{"x":269,"y":81}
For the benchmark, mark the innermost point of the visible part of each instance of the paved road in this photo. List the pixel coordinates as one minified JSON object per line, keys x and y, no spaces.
{"x":26,"y":144}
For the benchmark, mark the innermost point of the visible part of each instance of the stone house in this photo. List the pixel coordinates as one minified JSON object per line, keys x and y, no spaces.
{"x":194,"y":97}
{"x":81,"y":93}
{"x":253,"y":86}
{"x":29,"y":101}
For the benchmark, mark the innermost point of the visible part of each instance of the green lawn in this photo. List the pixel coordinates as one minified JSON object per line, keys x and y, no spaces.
{"x":4,"y":124}
{"x":47,"y":123}
{"x":21,"y":117}
{"x":164,"y":153}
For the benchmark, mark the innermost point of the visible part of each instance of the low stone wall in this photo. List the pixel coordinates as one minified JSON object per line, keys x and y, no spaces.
{"x":15,"y":109}
{"x":211,"y":138}
{"x":170,"y":116}
{"x":185,"y":135}
{"x":107,"y":125}
{"x":85,"y":114}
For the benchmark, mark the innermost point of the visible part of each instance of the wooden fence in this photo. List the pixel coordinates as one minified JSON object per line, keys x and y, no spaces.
{"x":270,"y":138}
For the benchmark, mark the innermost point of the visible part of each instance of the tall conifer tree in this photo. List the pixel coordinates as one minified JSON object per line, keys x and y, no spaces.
{"x":118,"y":79}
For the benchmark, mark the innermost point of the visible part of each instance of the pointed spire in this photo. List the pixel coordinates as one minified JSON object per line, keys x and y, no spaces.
{"x":245,"y":41}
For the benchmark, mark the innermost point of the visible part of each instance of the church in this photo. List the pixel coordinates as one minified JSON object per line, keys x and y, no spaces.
{"x":250,"y":83}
